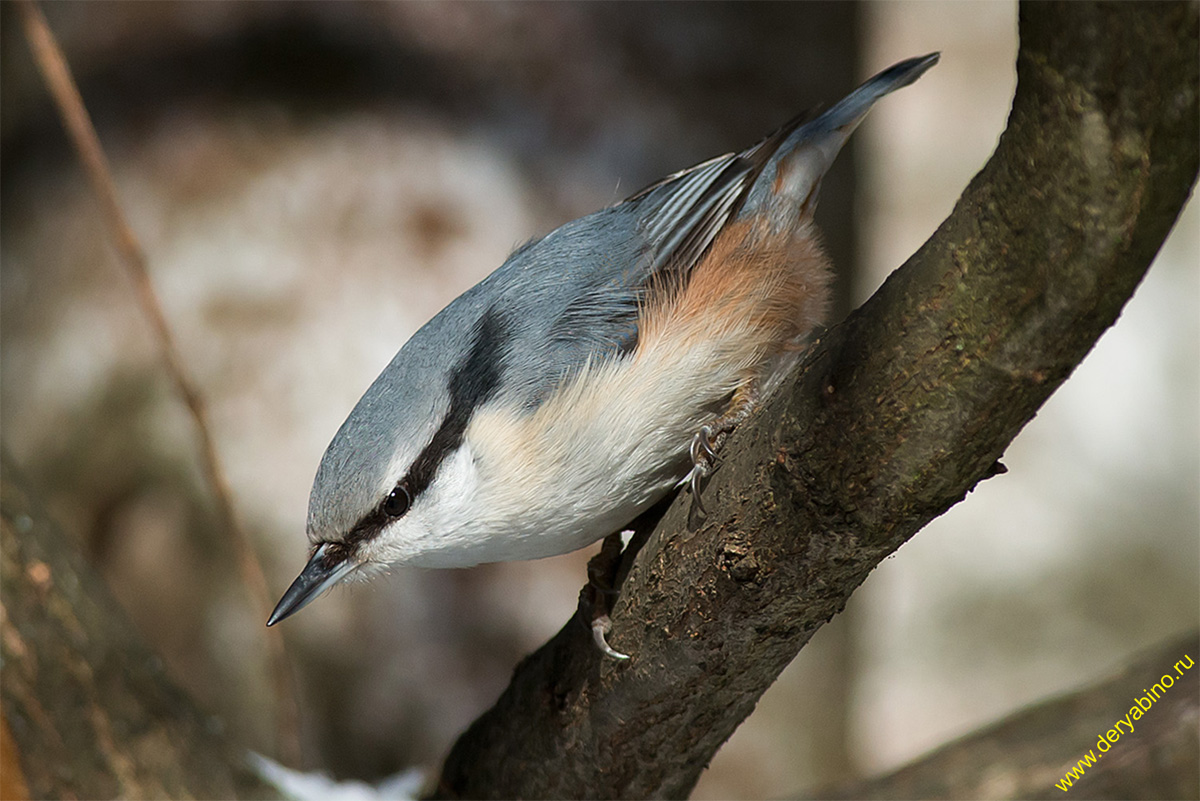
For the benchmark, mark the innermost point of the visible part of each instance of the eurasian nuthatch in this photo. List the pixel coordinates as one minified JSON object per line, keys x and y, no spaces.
{"x":574,"y":387}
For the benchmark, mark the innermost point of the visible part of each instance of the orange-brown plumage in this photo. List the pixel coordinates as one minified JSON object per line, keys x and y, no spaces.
{"x":757,"y":291}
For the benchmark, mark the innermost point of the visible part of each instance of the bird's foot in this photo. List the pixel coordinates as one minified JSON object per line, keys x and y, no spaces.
{"x":601,"y":592}
{"x":709,"y":439}
{"x":704,"y":456}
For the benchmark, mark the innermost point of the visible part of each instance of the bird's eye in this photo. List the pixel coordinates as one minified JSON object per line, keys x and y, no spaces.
{"x":398,"y":501}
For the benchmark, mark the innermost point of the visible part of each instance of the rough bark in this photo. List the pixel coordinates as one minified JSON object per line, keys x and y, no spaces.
{"x":90,"y":709}
{"x":896,"y":415}
{"x":1027,"y":754}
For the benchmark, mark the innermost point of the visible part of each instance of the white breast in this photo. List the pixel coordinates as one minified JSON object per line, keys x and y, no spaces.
{"x":599,"y":452}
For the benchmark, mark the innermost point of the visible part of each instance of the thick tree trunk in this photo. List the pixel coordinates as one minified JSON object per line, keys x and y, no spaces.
{"x":897,"y":414}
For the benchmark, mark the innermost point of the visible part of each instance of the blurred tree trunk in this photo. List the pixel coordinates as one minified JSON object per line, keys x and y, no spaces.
{"x":898,"y":413}
{"x":90,"y":709}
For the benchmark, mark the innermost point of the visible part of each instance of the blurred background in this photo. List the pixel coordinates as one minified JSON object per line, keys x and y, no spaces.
{"x":312,"y":181}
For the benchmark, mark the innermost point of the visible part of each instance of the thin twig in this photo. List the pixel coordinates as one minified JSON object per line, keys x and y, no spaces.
{"x":62,"y":88}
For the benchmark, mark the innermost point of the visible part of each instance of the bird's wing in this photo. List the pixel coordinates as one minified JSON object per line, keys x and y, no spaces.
{"x":683,"y":213}
{"x":578,"y":290}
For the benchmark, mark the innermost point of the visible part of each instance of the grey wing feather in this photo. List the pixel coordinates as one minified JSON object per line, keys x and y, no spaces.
{"x":688,"y":223}
{"x":688,"y":202}
{"x":685,"y":211}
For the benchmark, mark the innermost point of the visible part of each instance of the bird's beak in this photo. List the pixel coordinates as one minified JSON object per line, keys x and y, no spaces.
{"x":317,"y":576}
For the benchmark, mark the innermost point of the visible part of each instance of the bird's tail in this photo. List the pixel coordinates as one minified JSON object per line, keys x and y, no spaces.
{"x":793,"y":173}
{"x":850,"y":110}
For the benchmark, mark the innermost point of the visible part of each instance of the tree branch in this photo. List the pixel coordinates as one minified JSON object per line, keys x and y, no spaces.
{"x":1027,"y":754}
{"x":897,"y":414}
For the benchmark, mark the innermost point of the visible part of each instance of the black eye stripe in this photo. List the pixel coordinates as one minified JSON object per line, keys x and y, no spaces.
{"x":472,"y":383}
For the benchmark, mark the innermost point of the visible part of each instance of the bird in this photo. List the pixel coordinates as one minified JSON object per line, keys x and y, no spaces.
{"x":593,"y":373}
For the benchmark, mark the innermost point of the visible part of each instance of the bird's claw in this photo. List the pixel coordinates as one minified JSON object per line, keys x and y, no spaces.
{"x":601,"y":626}
{"x":703,"y":455}
{"x":702,"y":447}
